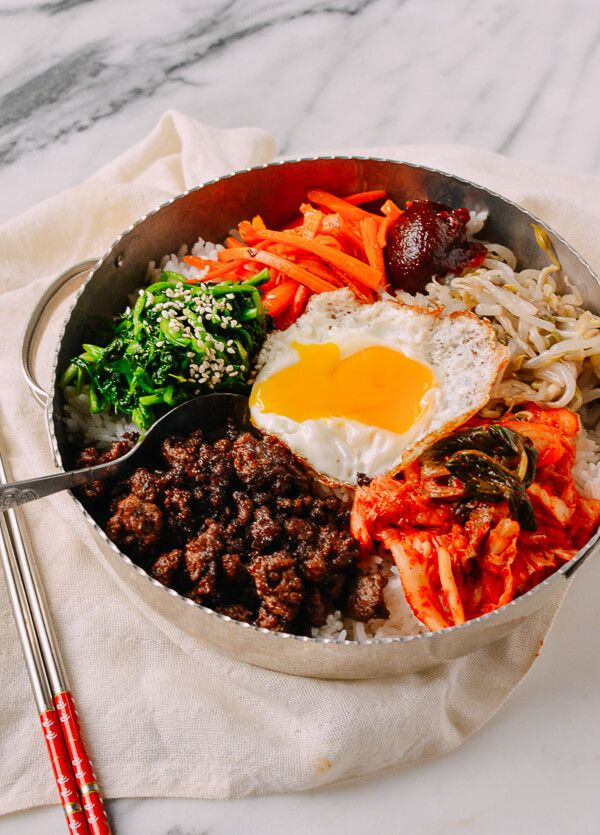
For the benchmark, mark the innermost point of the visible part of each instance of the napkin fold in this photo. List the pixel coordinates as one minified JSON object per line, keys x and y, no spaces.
{"x":164,"y":714}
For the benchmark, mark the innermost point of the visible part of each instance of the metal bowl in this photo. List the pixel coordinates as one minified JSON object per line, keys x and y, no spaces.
{"x":275,"y":191}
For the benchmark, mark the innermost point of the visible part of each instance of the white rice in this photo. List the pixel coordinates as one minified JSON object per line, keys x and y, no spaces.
{"x":401,"y":621}
{"x":101,"y":430}
{"x":455,"y":294}
{"x":175,"y":263}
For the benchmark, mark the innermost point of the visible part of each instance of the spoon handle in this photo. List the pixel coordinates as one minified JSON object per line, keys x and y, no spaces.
{"x":21,"y":492}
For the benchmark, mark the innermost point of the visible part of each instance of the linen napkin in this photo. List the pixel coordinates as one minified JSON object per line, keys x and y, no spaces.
{"x":164,"y":714}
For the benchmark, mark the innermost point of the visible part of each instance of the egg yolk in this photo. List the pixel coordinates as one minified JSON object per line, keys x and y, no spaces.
{"x":377,"y":386}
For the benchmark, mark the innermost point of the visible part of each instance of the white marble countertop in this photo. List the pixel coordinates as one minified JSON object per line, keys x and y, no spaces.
{"x":80,"y":81}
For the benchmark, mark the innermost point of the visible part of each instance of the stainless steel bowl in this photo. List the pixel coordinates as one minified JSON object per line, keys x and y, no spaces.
{"x":275,"y":191}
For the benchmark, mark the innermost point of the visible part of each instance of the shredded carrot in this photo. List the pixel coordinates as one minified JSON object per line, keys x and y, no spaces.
{"x":332,"y":223}
{"x":247,"y":232}
{"x":329,"y":240}
{"x":368,"y":227}
{"x":284,"y":320}
{"x":215,"y":269}
{"x":258,"y":222}
{"x":338,"y":204}
{"x":362,"y":293}
{"x":288,"y":268}
{"x":390,"y":209}
{"x":312,"y":221}
{"x":226,"y":255}
{"x":279,"y":298}
{"x":231,"y":242}
{"x":194,"y":261}
{"x":356,"y":270}
{"x":384,"y":228}
{"x":314,"y":265}
{"x":300,"y":301}
{"x":365,"y":196}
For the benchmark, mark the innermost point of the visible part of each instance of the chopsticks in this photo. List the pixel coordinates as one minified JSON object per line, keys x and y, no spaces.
{"x":75,"y":779}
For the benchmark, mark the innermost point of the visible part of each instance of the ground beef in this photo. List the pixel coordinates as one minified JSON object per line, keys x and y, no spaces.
{"x":202,"y":551}
{"x":144,"y":484}
{"x":136,"y":524}
{"x":165,"y":568}
{"x":265,"y":463}
{"x":365,"y":600}
{"x":178,"y":506}
{"x":264,"y":530}
{"x":277,"y":584}
{"x":90,"y":456}
{"x":235,"y":522}
{"x":235,"y":611}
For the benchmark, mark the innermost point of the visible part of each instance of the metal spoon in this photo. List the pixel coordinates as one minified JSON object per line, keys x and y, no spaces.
{"x":207,"y":412}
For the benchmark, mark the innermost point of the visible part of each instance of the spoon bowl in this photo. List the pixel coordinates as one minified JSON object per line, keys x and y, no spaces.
{"x":207,"y":412}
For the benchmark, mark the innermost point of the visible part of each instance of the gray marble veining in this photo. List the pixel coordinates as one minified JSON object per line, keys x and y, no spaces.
{"x":79,"y":81}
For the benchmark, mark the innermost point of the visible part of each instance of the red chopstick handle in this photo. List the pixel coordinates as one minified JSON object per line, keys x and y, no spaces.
{"x":63,"y":772}
{"x":89,"y":790}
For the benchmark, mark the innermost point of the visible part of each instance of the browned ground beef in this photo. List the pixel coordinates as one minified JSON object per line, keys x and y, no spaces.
{"x":235,"y":522}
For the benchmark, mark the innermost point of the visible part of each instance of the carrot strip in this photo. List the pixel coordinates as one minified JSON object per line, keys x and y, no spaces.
{"x":218,"y":272}
{"x":328,"y":240}
{"x":362,"y":293}
{"x":352,"y":267}
{"x":337,"y":204}
{"x":365,"y":196}
{"x":300,"y":301}
{"x":201,"y":263}
{"x":284,"y":320}
{"x":343,"y":231}
{"x":373,"y":251}
{"x":312,"y":221}
{"x":231,"y":242}
{"x":332,"y":223}
{"x":349,"y":233}
{"x":225,"y":255}
{"x":280,"y":297}
{"x":384,"y":228}
{"x":288,"y":268}
{"x":247,"y":232}
{"x":390,"y":209}
{"x":258,"y":222}
{"x":323,"y":271}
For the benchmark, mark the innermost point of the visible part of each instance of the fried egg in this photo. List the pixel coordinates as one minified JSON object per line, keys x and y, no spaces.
{"x":353,"y":388}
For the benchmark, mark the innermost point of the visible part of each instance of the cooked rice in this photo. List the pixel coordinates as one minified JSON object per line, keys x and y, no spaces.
{"x":84,"y":428}
{"x":554,"y":359}
{"x":175,"y":263}
{"x":401,"y":621}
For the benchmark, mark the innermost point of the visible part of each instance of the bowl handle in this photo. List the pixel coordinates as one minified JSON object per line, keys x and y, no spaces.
{"x":38,"y":317}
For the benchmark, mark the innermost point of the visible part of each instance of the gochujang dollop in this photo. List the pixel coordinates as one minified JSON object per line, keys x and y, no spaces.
{"x":429,"y":239}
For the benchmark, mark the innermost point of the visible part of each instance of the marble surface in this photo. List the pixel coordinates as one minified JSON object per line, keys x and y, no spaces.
{"x":80,"y":81}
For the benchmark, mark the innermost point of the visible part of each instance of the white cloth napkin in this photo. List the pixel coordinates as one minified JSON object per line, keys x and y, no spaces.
{"x":165,"y":715}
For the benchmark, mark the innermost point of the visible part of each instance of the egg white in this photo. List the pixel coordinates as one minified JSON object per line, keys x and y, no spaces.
{"x":461,"y":353}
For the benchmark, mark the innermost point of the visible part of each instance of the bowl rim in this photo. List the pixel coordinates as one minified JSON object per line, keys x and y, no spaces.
{"x":564,"y":572}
